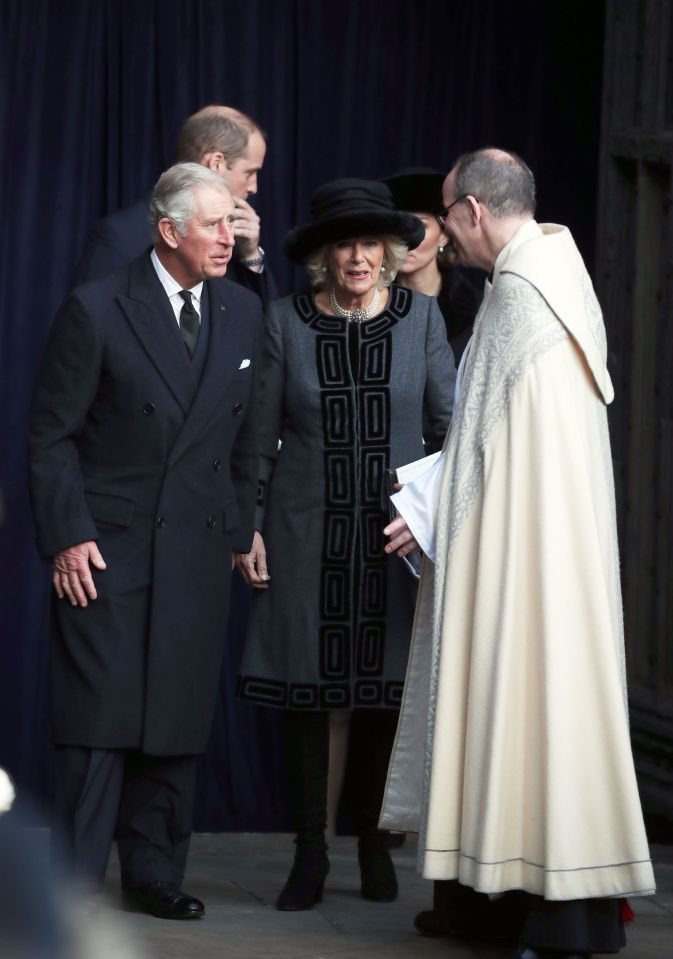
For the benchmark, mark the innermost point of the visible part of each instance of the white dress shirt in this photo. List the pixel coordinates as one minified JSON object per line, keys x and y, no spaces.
{"x":173,"y":288}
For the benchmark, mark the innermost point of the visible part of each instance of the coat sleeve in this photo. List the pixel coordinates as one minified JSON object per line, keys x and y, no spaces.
{"x":440,"y":381}
{"x":260,"y":283}
{"x":67,"y":383}
{"x":271,"y":400}
{"x":245,"y":452}
{"x":103,"y":253}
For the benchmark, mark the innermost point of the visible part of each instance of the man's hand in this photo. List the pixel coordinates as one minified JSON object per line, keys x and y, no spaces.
{"x":246,"y":231}
{"x":72,"y":574}
{"x":253,"y":564}
{"x":401,"y":538}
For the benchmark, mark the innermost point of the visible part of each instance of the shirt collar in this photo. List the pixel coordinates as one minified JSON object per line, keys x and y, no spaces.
{"x":170,"y":284}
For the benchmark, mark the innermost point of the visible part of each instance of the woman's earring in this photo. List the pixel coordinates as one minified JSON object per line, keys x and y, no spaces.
{"x":440,"y":249}
{"x":383,"y":266}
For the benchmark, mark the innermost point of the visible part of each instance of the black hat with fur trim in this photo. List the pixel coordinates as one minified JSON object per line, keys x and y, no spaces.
{"x":347,"y":208}
{"x":417,"y":189}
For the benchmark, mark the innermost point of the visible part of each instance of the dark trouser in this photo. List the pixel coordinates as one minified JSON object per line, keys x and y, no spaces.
{"x":576,"y":925}
{"x":147,"y":801}
{"x":372,"y":734}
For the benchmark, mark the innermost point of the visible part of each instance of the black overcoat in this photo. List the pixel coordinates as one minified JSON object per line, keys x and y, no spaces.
{"x":128,"y":449}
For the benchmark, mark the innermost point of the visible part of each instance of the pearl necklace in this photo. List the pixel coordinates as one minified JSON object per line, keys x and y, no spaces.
{"x":354,"y":316}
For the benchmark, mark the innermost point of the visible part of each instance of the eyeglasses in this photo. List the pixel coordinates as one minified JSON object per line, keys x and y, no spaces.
{"x":463,"y":196}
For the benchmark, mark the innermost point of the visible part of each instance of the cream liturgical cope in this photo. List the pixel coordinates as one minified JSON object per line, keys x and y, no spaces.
{"x":512,"y":758}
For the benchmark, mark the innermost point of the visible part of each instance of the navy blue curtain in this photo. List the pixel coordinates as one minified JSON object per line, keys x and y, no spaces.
{"x":92,"y":93}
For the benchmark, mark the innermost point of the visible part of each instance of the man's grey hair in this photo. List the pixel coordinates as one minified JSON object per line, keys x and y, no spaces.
{"x":499,"y":179}
{"x":394,"y":255}
{"x":216,"y":129}
{"x":174,"y":195}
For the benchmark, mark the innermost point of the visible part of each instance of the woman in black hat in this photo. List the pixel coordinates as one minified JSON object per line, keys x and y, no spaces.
{"x":349,"y":373}
{"x":429,"y":268}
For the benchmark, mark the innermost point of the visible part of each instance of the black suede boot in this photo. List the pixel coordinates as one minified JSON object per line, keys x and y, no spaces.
{"x":372,"y":735}
{"x":304,"y":885}
{"x":378,"y":881}
{"x":307,"y":755}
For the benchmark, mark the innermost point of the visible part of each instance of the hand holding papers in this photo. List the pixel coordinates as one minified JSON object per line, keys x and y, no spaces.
{"x":403,"y":539}
{"x":417,"y":503}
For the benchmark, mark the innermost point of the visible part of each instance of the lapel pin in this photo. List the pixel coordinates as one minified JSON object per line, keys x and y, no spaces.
{"x":222,"y":308}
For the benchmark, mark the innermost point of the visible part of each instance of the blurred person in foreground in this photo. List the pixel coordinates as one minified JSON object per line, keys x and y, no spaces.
{"x":38,"y":917}
{"x":513,"y":758}
{"x":349,"y":372}
{"x":143,"y":471}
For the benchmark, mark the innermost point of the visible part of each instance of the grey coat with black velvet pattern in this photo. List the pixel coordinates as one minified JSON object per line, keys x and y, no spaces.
{"x":333,"y":628}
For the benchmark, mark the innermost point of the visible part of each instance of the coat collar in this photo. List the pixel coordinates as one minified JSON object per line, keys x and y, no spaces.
{"x":149,"y":313}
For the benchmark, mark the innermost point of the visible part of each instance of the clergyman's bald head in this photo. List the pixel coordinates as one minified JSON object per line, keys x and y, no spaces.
{"x":499,"y":179}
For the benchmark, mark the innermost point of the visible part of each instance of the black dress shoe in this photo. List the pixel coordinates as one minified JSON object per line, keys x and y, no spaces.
{"x":164,"y":900}
{"x":435,"y":926}
{"x":528,"y":952}
{"x":495,"y":929}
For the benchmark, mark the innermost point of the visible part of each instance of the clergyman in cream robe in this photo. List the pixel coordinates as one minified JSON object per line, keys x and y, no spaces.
{"x":512,"y":758}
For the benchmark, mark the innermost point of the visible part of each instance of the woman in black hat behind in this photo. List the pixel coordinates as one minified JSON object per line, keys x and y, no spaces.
{"x":350,"y":372}
{"x":429,"y":268}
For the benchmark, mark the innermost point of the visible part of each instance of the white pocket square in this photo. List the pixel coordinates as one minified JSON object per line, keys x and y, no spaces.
{"x":244,"y":364}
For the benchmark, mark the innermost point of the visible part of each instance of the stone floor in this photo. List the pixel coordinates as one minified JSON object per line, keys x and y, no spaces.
{"x":239,"y":876}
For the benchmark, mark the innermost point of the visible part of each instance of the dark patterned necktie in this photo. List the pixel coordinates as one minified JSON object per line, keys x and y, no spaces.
{"x":189,"y":322}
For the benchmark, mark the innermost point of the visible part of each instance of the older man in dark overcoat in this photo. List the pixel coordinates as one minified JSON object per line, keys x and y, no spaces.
{"x":143,"y":478}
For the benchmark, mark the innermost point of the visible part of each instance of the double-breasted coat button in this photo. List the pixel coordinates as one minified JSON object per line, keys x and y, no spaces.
{"x":161,"y":522}
{"x":148,"y":409}
{"x":217,"y":466}
{"x":238,"y":408}
{"x":211,"y":522}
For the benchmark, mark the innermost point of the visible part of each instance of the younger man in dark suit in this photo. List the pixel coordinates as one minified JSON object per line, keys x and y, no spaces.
{"x":143,"y":478}
{"x":230,"y":144}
